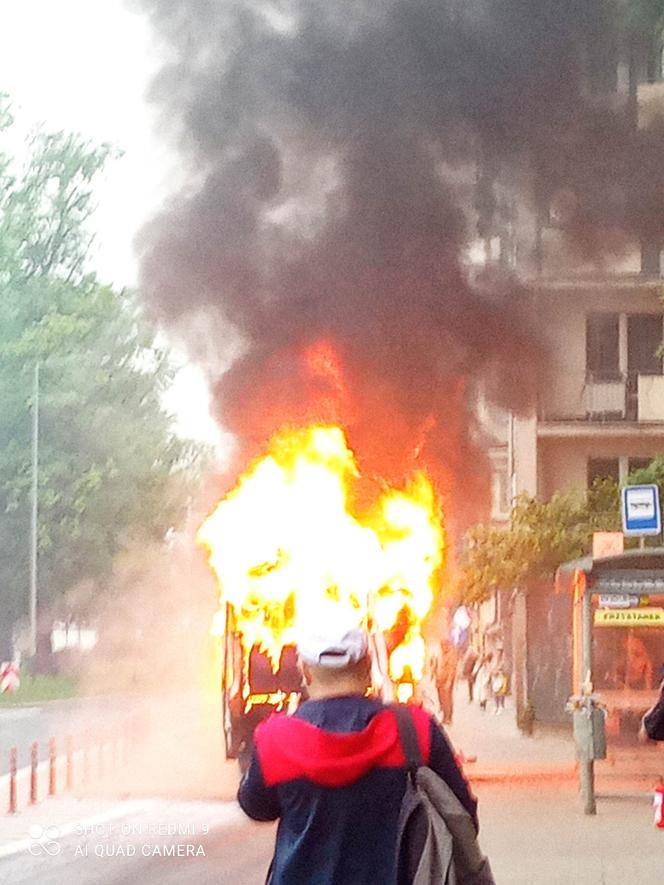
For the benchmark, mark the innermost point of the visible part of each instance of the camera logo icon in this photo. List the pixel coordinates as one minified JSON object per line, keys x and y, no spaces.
{"x":44,"y":841}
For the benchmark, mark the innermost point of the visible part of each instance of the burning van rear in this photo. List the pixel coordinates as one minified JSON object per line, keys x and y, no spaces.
{"x":251,"y":688}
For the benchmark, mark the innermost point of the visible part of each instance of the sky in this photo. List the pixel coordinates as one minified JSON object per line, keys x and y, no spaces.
{"x":84,"y":66}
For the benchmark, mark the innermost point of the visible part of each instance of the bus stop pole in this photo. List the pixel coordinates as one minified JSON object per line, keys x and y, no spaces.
{"x":587,"y":766}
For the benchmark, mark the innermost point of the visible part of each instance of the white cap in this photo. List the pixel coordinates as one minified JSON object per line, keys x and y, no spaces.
{"x":333,"y":649}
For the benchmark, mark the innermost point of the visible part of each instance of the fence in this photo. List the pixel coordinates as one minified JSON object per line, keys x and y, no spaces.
{"x":71,"y":764}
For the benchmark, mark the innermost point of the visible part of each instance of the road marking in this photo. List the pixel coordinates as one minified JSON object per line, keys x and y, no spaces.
{"x":19,"y":712}
{"x":68,"y":828}
{"x":217,"y":814}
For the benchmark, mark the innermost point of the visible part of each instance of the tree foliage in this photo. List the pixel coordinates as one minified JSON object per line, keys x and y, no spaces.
{"x":108,"y":459}
{"x":653,"y":473}
{"x":542,"y":535}
{"x":644,"y":16}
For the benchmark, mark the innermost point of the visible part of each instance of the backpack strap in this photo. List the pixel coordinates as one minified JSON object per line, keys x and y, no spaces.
{"x":408,"y":737}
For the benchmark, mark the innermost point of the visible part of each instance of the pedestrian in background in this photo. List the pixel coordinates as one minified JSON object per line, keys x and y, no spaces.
{"x":499,"y":686}
{"x":468,"y":666}
{"x":483,"y":672}
{"x":652,"y":724}
{"x":426,"y":690}
{"x":446,"y":671}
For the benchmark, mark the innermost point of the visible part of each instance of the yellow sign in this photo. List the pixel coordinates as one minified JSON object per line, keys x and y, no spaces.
{"x":629,"y":617}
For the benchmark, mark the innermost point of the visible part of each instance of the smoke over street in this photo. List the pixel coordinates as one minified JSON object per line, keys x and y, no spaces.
{"x":331,"y":152}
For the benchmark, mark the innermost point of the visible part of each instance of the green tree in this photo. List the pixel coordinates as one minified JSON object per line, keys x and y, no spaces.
{"x":110,"y":467}
{"x":643,"y":16}
{"x":653,"y":473}
{"x":542,"y":535}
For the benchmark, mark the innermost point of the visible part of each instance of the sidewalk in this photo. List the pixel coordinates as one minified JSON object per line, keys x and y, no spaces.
{"x":537,"y":834}
{"x":503,"y":752}
{"x":532,"y":824}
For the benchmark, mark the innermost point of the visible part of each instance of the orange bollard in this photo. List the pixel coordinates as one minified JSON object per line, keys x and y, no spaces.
{"x":52,"y":756}
{"x":69,"y":749}
{"x":12,"y":781}
{"x":34,"y":763}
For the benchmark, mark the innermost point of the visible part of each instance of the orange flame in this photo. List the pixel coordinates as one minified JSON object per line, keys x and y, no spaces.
{"x":288,"y":550}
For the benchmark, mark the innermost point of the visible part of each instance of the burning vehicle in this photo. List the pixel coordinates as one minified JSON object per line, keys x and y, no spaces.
{"x":315,"y":265}
{"x":251,"y":688}
{"x":301,"y":539}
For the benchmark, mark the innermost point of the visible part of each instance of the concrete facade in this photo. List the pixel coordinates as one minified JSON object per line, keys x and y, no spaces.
{"x":599,"y":404}
{"x":580,"y":418}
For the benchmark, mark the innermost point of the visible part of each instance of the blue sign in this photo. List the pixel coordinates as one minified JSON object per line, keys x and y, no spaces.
{"x":641,"y":514}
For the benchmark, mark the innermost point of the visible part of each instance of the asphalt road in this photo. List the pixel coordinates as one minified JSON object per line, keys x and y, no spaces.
{"x":82,"y":718}
{"x":534,"y":834}
{"x":175,"y":752}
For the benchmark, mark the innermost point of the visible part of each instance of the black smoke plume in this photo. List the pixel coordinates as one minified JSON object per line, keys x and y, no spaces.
{"x":330,"y":151}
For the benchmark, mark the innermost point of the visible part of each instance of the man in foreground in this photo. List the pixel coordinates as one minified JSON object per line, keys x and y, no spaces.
{"x":333,"y":773}
{"x":652,"y":724}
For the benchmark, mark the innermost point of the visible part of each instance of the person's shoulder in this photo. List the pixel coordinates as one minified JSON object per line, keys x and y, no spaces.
{"x":425,"y":724}
{"x":420,"y":715}
{"x":282,"y":730}
{"x":275,"y":724}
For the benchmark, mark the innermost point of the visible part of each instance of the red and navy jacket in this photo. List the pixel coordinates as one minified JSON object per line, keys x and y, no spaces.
{"x":333,"y":774}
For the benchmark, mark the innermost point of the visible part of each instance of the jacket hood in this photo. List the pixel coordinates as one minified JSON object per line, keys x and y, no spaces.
{"x":290,"y":749}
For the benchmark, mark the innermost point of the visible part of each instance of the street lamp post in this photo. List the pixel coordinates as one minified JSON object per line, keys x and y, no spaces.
{"x":34,"y":520}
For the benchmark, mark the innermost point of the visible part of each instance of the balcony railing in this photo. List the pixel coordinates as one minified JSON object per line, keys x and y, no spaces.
{"x":605,"y":399}
{"x":631,"y":398}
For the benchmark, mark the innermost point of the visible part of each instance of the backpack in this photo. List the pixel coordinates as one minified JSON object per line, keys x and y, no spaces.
{"x":499,"y":684}
{"x":653,"y":721}
{"x":436,"y":841}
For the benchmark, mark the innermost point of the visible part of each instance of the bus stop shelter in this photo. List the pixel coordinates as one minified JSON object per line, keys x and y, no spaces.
{"x":617,"y":647}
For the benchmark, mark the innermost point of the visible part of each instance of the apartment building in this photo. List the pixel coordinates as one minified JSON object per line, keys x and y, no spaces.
{"x":600,"y":404}
{"x":599,"y":410}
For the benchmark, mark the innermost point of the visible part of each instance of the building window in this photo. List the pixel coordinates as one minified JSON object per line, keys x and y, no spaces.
{"x":603,"y":346}
{"x":644,"y":338}
{"x":501,"y":496}
{"x":651,"y":258}
{"x":653,"y":65}
{"x":500,"y":486}
{"x":617,"y":469}
{"x":637,"y":464}
{"x":603,"y":468}
{"x":601,"y":57}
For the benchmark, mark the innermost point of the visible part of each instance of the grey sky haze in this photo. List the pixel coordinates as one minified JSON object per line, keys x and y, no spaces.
{"x":84,"y":66}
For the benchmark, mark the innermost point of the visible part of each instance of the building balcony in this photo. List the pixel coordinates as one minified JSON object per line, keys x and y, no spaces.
{"x":623,"y":405}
